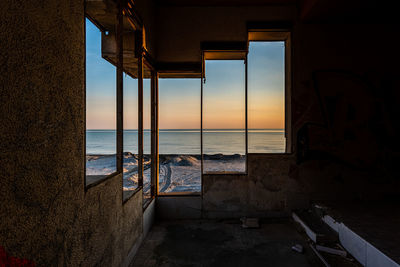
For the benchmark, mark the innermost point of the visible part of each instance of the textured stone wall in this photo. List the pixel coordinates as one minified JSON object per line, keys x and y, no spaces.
{"x":46,"y":215}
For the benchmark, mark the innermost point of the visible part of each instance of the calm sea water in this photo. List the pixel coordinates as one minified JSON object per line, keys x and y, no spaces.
{"x":188,"y":141}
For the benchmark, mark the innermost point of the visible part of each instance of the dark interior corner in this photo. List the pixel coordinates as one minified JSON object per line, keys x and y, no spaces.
{"x":335,"y":182}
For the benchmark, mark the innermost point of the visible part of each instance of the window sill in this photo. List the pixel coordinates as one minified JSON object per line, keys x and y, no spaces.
{"x":146,"y":202}
{"x":128,"y":194}
{"x":180,"y":194}
{"x":225,"y":173}
{"x":271,"y":154}
{"x":93,"y":180}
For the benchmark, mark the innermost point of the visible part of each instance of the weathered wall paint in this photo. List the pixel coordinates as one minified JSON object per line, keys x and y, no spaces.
{"x":269,"y":189}
{"x":46,"y":216}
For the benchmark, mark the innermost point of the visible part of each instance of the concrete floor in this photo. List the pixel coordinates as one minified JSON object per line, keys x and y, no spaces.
{"x":223,"y":243}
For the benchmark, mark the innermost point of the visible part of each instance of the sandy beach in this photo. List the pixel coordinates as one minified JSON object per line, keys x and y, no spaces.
{"x":178,"y":173}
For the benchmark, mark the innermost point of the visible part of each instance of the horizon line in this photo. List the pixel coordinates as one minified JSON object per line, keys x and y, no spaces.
{"x":98,"y":129}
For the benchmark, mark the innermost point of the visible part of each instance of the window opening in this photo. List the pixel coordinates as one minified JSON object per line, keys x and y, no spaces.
{"x":101,"y":146}
{"x":224,"y":117}
{"x":179,"y":136}
{"x":266,"y":97}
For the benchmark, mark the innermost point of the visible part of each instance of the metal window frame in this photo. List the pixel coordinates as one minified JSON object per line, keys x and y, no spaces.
{"x":145,"y":60}
{"x":203,"y":79}
{"x":119,"y":85}
{"x":278,"y":32}
{"x":123,"y":9}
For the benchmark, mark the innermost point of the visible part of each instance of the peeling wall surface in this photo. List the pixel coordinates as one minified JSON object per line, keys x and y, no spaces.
{"x":46,"y":216}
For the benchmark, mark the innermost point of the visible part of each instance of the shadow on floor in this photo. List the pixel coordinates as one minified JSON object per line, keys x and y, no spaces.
{"x":223,"y":243}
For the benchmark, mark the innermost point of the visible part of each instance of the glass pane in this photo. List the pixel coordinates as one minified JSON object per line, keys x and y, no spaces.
{"x":146,"y":133}
{"x":130,"y":181}
{"x":100,"y":109}
{"x":224,"y":143}
{"x":266,"y":102}
{"x":130,"y":111}
{"x":179,"y":135}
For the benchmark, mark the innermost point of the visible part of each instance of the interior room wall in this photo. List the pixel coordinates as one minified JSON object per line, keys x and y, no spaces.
{"x":46,"y":215}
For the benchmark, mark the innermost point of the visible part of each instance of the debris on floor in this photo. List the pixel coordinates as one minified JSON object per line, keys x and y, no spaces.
{"x":323,"y":241}
{"x":319,"y":256}
{"x":298,"y":248}
{"x":250,"y":222}
{"x":334,"y":251}
{"x":219,"y":244}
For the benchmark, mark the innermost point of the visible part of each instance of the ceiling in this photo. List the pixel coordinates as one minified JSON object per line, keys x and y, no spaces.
{"x":224,"y":2}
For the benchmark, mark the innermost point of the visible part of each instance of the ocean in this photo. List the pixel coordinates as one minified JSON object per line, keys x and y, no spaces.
{"x":183,"y":142}
{"x":180,"y":164}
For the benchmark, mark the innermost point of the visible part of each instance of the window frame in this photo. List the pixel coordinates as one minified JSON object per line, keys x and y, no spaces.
{"x":176,"y":73}
{"x":278,"y":33}
{"x":224,"y":55}
{"x":145,"y":59}
{"x":101,"y":178}
{"x":123,"y":10}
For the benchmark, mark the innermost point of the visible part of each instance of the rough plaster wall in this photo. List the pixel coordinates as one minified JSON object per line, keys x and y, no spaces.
{"x":356,"y":158}
{"x":267,"y":190}
{"x":180,"y":30}
{"x":46,"y":216}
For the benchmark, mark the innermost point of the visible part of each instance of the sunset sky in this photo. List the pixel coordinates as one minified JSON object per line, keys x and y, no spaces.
{"x":224,"y":103}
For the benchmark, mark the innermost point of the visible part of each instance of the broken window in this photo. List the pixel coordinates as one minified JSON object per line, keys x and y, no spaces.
{"x":179,"y":136}
{"x":224,"y":117}
{"x":266,"y":97}
{"x":100,"y":109}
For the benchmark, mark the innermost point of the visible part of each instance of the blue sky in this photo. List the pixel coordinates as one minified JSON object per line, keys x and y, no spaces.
{"x":180,"y":98}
